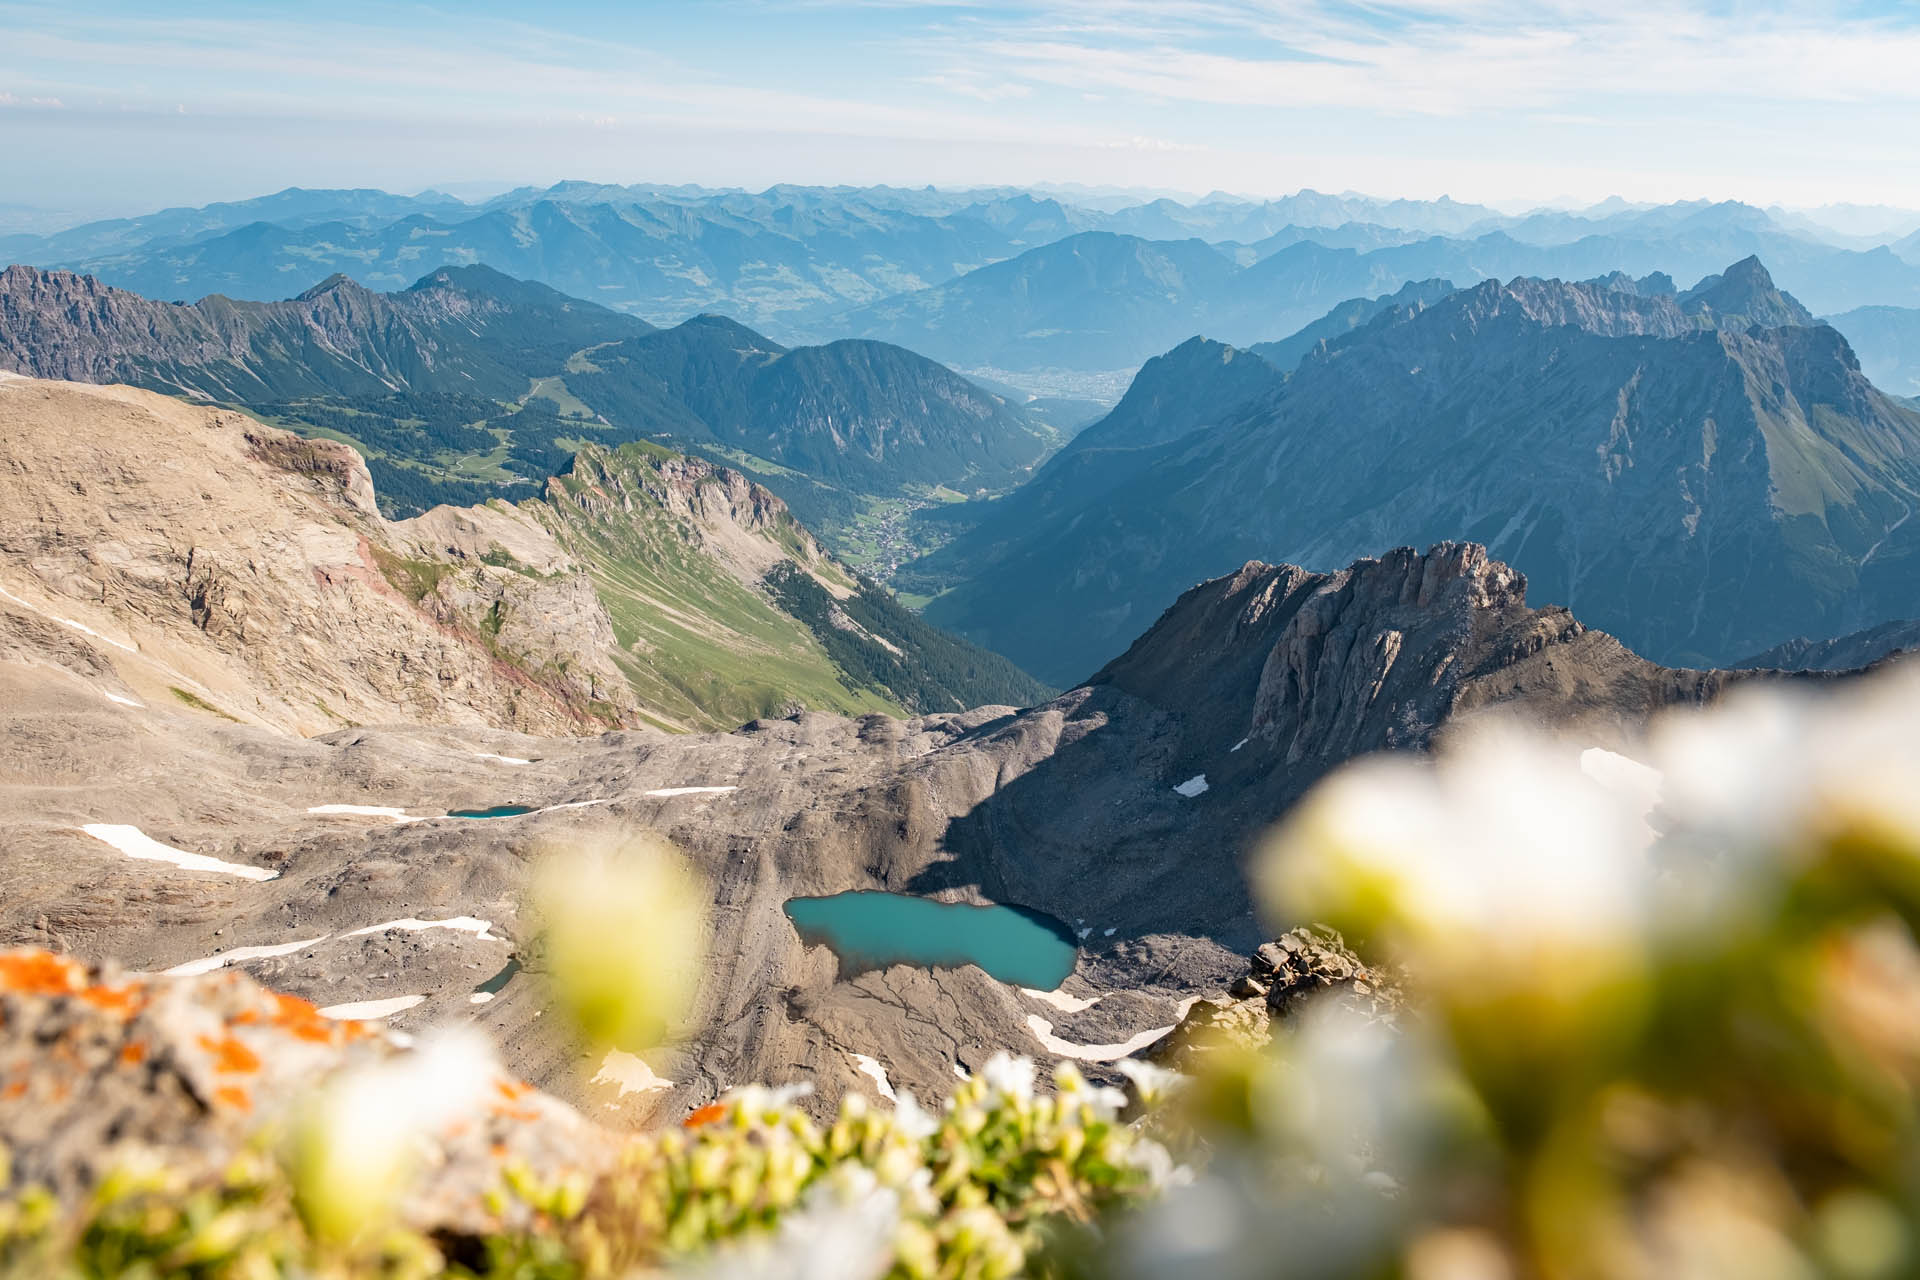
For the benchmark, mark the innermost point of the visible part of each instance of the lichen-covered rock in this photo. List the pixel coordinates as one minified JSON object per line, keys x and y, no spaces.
{"x":1299,"y":965}
{"x":100,"y":1068}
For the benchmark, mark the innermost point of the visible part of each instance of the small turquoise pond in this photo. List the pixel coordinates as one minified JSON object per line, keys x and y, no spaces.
{"x":498,"y":811}
{"x":872,"y":930}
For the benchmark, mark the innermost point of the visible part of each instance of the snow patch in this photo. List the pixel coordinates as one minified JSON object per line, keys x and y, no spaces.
{"x":629,"y":1073}
{"x":193,"y":968}
{"x":665,"y":792}
{"x":480,"y":997}
{"x":1236,"y":746}
{"x":367,"y":1010}
{"x":1196,"y":785}
{"x":961,"y":1072}
{"x":136,"y":843}
{"x":1061,"y":1000}
{"x":1108,"y":933}
{"x":571,"y":804}
{"x":67,"y":622}
{"x":872,"y":1069}
{"x":1084,"y":933}
{"x":125,"y":702}
{"x":464,"y":924}
{"x":1043,"y":1032}
{"x":488,"y":755}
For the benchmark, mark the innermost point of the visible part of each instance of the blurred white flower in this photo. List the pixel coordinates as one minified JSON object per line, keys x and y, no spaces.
{"x":1073,"y":1087}
{"x":843,"y":1230}
{"x":1153,"y":1083}
{"x":1009,"y":1076}
{"x":1498,"y":864}
{"x":354,"y":1144}
{"x":912,"y":1119}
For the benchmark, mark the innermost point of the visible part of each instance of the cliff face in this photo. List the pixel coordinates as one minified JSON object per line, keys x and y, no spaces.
{"x":244,"y":570}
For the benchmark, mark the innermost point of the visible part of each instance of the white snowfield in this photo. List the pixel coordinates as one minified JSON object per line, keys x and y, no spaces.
{"x":363,"y":811}
{"x":1061,"y":1000}
{"x":872,"y":1069}
{"x":488,"y":755}
{"x":207,"y":965}
{"x":629,"y":1073}
{"x":464,"y":924}
{"x":123,"y":701}
{"x":81,"y":627}
{"x":136,"y":843}
{"x":666,"y":792}
{"x":1043,"y":1032}
{"x":479,"y":928}
{"x":1194,"y":786}
{"x":368,"y":1010}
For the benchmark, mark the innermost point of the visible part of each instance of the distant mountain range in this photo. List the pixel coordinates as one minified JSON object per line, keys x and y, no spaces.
{"x":470,"y":384}
{"x":1702,"y":473}
{"x":1101,"y":301}
{"x":998,"y":278}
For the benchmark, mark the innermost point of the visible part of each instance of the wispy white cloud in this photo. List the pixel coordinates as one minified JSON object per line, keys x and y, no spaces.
{"x":1455,"y":58}
{"x":1489,"y":98}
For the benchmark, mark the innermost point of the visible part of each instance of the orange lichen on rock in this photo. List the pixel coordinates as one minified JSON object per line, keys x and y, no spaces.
{"x":302,"y":1019}
{"x":41,"y":973}
{"x":233,"y":1096}
{"x":230,"y":1055}
{"x":704,"y":1115}
{"x":120,"y":999}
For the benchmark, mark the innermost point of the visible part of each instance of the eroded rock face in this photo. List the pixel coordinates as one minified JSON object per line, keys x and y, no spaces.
{"x":226,"y":564}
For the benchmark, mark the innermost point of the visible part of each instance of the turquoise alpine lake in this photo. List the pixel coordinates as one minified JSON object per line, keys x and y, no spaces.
{"x":498,"y":811}
{"x":870,"y":930}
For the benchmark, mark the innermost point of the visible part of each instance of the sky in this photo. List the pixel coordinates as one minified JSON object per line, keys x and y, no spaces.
{"x":123,"y":107}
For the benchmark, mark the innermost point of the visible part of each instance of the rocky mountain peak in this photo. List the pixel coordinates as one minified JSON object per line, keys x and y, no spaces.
{"x":339,"y":284}
{"x":1745,"y":294}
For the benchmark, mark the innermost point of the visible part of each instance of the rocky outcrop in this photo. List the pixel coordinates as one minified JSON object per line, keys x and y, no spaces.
{"x":1302,"y":965}
{"x":100,"y":1068}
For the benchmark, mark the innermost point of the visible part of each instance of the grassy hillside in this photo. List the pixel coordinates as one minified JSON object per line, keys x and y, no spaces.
{"x":725,"y":608}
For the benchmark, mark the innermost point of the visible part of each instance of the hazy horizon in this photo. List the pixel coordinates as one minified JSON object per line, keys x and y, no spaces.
{"x":112,"y":107}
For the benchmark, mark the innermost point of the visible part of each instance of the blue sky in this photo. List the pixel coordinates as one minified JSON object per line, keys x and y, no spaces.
{"x":119,"y":107}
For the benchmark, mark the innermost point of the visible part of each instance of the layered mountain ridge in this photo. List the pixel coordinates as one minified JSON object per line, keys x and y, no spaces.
{"x":1697,"y":482}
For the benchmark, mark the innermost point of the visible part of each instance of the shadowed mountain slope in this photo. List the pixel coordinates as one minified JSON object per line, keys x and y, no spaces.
{"x":1701,"y":491}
